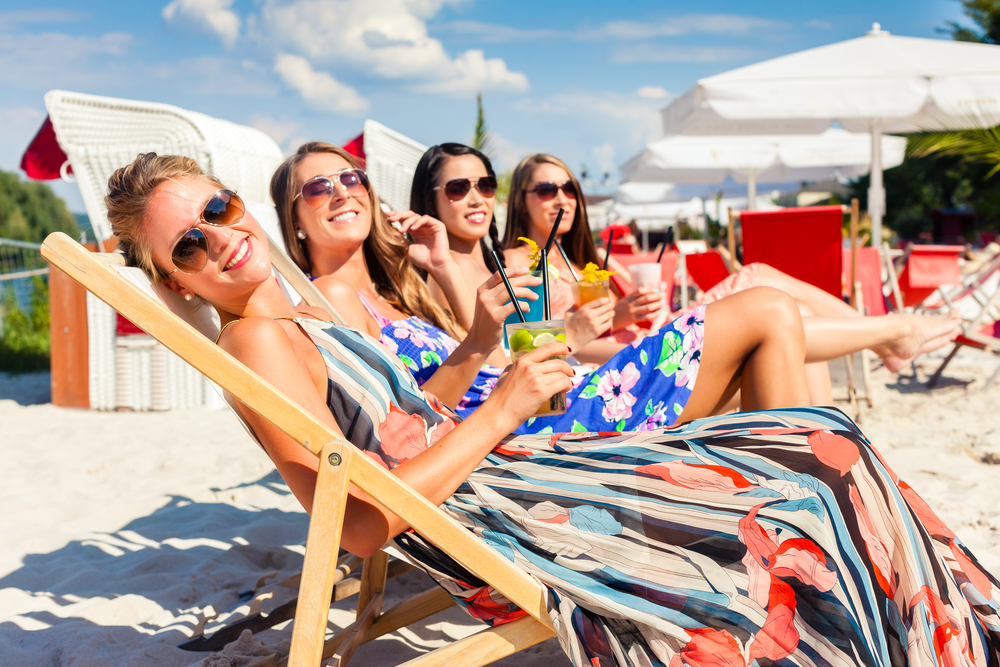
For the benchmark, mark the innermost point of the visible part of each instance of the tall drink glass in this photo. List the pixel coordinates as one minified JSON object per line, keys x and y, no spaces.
{"x":527,"y":336}
{"x":534,"y":313}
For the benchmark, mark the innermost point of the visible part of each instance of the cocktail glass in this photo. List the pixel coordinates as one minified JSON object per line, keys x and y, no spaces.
{"x":584,"y":292}
{"x":648,"y":276}
{"x":534,"y":313}
{"x":525,"y":337}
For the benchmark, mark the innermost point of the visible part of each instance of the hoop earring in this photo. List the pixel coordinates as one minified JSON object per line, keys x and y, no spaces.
{"x":299,"y":234}
{"x":188,"y":296}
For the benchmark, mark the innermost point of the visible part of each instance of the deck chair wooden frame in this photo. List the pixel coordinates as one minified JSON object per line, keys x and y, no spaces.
{"x":340,"y":465}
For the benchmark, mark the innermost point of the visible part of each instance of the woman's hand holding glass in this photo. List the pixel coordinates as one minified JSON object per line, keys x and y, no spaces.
{"x":493,"y":306}
{"x":529,"y":383}
{"x":639,"y":306}
{"x":429,"y":239}
{"x":586,"y":323}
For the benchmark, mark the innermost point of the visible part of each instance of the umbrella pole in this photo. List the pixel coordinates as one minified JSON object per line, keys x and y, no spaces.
{"x":876,"y":193}
{"x":752,"y":190}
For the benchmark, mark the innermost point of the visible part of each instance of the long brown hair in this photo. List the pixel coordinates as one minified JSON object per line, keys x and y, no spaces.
{"x":578,"y":242}
{"x":385,"y":252}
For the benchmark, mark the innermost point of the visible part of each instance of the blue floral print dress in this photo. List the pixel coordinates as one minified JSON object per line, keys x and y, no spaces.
{"x":777,"y":537}
{"x":645,"y":386}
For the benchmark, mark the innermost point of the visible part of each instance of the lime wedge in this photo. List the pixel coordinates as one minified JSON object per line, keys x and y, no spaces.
{"x":544,"y":339}
{"x":520,"y":340}
{"x":553,"y":273}
{"x":561,"y":338}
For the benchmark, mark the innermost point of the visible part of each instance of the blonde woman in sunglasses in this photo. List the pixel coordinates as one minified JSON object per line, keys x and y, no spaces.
{"x":774,"y":536}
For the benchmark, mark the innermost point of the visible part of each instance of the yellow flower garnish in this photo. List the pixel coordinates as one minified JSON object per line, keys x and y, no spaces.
{"x":593,"y":275}
{"x":535,"y":255}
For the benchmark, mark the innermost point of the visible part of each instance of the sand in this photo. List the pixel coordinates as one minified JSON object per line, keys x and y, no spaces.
{"x":121,"y":529}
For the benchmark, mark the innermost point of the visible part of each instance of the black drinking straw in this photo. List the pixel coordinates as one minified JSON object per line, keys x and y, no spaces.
{"x":576,"y":276}
{"x":544,"y":263}
{"x":510,"y":290}
{"x":552,"y":234}
{"x":666,"y":242}
{"x":607,"y":254}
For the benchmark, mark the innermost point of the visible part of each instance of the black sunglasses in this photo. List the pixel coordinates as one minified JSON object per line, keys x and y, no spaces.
{"x":457,"y":188}
{"x":547,"y":191}
{"x":318,"y":191}
{"x":190,"y":253}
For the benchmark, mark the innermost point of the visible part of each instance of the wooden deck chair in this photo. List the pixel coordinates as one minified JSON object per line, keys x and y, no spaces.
{"x":340,"y":465}
{"x":923,"y":270}
{"x":974,"y":333}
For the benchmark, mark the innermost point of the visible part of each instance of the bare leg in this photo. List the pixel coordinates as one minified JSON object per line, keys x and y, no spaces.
{"x":895,"y":338}
{"x":753,"y":342}
{"x":820,"y":302}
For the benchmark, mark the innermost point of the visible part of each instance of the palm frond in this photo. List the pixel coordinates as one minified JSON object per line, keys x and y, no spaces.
{"x":977,"y":145}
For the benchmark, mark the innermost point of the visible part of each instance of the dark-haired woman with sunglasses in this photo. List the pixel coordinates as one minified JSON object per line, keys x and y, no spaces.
{"x":770,"y":537}
{"x":456,"y":184}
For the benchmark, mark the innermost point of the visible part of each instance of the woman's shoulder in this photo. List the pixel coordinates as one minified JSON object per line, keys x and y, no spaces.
{"x":331,"y":287}
{"x":252,"y":334}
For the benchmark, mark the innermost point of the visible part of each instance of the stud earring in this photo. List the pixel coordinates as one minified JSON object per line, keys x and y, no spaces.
{"x":188,"y":296}
{"x":300,"y":235}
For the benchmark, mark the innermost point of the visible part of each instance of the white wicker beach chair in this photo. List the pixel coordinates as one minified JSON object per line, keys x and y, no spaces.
{"x":101,"y":134}
{"x":390,"y":160}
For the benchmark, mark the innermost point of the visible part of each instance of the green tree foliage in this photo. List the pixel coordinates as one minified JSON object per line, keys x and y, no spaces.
{"x":24,"y":343}
{"x":482,"y":138}
{"x":985,"y":14}
{"x":31,"y":211}
{"x":922,"y":184}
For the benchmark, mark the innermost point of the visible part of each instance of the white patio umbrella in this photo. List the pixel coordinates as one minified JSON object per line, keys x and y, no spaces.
{"x":752,"y":158}
{"x":876,"y":83}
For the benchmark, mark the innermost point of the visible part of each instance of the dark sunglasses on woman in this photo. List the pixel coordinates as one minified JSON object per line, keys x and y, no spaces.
{"x":458,"y":188}
{"x":318,"y":191}
{"x":547,"y":191}
{"x":190,"y":253}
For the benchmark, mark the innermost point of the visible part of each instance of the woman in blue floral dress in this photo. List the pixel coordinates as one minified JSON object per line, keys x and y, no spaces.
{"x":645,"y":385}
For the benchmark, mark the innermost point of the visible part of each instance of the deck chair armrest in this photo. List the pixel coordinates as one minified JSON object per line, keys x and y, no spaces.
{"x":260,"y":396}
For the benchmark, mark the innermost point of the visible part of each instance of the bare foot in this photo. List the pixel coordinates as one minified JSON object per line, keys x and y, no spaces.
{"x":919,"y":334}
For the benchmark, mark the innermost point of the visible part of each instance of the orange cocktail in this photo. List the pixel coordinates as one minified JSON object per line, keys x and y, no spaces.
{"x":585,"y":292}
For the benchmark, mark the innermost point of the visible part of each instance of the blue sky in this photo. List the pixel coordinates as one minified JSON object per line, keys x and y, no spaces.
{"x":583,"y":79}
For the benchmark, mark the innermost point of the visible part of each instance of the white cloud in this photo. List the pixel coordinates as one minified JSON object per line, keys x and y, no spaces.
{"x":383,"y":38}
{"x":692,"y":24}
{"x":629,"y":118}
{"x":15,"y":17}
{"x":492,"y":32}
{"x":279,"y":130}
{"x":819,"y":23}
{"x":212,"y":16}
{"x":604,"y":155}
{"x":59,"y":60}
{"x":652,"y":92}
{"x":669,"y":53}
{"x":320,"y":91}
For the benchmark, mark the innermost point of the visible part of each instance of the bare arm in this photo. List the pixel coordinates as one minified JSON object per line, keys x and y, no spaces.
{"x":266,"y":347}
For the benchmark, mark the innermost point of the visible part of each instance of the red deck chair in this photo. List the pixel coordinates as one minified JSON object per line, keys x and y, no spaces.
{"x":925,"y":269}
{"x":805,"y":243}
{"x":707,"y":269}
{"x":869,"y":275}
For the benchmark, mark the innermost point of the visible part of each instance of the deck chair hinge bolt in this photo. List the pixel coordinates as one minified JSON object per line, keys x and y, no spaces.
{"x":334,"y":459}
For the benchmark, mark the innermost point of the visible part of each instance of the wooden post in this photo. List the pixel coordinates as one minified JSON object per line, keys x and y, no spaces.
{"x":854,"y":252}
{"x":70,"y":361}
{"x":731,"y":239}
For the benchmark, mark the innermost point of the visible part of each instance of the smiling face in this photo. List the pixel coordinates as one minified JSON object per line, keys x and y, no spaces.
{"x":238,"y":259}
{"x":467,"y":218}
{"x":341,"y":224}
{"x":542,"y":214}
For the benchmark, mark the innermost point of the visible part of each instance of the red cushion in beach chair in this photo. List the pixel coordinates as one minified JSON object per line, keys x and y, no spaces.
{"x":707,"y":269}
{"x":927,"y":268}
{"x":805,"y":243}
{"x":869,"y":274}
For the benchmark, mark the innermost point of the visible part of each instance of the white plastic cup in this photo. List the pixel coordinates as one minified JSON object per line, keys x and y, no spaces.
{"x":646,"y":276}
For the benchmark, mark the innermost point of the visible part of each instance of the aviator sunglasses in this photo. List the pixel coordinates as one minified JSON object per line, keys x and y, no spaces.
{"x":190,"y":253}
{"x":547,"y":191}
{"x":458,"y":188}
{"x":318,"y":191}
